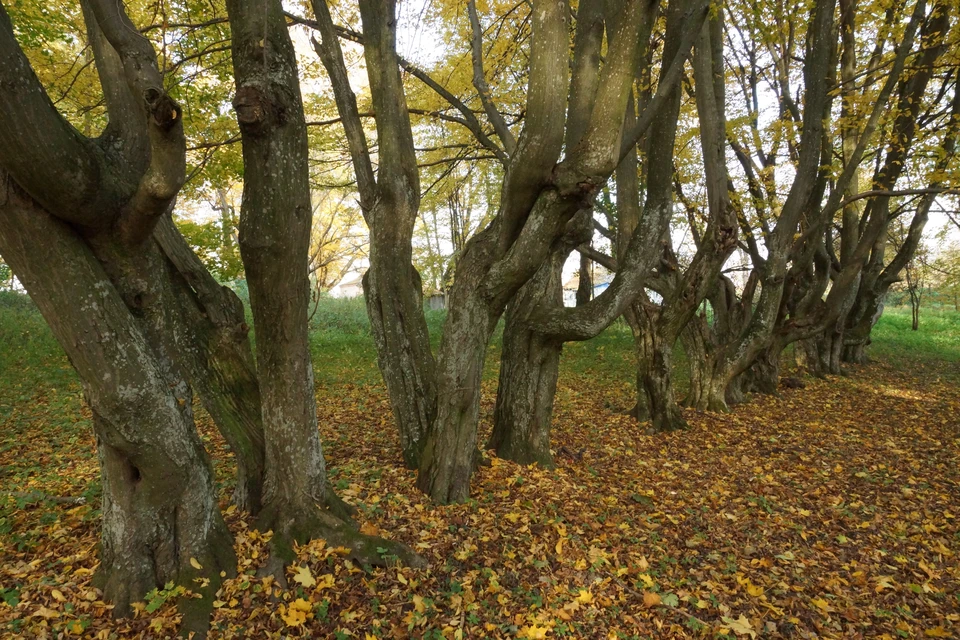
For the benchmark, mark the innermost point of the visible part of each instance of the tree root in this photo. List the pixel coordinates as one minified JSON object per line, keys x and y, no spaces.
{"x":301,"y":523}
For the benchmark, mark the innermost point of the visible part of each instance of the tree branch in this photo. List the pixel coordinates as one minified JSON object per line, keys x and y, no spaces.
{"x":480,"y":82}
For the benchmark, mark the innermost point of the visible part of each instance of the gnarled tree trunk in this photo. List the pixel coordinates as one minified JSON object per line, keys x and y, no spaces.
{"x":159,"y":501}
{"x":212,"y":342}
{"x":529,"y":369}
{"x":654,"y":371}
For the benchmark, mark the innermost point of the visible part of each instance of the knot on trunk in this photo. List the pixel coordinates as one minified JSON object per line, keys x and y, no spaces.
{"x":252,"y":107}
{"x":163,"y":109}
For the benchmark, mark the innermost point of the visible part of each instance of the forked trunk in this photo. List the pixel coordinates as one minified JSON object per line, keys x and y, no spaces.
{"x":392,"y":290}
{"x":529,"y":368}
{"x":712,"y":387}
{"x":450,"y":452}
{"x":707,"y":389}
{"x":159,"y":502}
{"x":763,"y":376}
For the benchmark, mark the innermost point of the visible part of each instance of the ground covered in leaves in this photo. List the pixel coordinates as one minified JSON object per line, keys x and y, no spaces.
{"x":831,"y":511}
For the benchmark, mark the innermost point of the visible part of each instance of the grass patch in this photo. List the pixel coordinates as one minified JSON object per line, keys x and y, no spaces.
{"x":936,"y":339}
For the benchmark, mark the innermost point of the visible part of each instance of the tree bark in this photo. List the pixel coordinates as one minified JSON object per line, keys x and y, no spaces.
{"x":585,"y":283}
{"x":394,"y":300}
{"x":654,"y":372}
{"x":390,"y":200}
{"x":530,"y":364}
{"x":275,"y":220}
{"x":275,"y":223}
{"x":763,"y":375}
{"x":450,"y":452}
{"x":159,"y":500}
{"x":711,"y":387}
{"x":213,"y":343}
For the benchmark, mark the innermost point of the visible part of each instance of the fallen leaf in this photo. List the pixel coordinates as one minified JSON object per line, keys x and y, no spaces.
{"x":304,"y":577}
{"x":741,"y":626}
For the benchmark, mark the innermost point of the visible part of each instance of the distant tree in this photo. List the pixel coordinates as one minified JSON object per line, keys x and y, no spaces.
{"x":546,"y":185}
{"x":215,"y":240}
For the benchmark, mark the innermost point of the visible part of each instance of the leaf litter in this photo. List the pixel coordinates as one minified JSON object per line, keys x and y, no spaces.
{"x":828,"y":512}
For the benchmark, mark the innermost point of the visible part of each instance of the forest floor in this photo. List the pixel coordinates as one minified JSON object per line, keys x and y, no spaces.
{"x":831,"y":511}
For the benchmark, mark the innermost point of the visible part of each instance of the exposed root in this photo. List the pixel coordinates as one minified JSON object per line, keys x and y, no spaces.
{"x":301,"y":523}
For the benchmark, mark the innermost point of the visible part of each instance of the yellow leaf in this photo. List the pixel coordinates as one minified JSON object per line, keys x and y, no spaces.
{"x":57,"y":595}
{"x":325,"y":582}
{"x":647,"y":580}
{"x":196,"y":565}
{"x":885,"y":582}
{"x":304,"y":577}
{"x":369,"y":529}
{"x":585,"y":597}
{"x":533,"y":632}
{"x":296,"y":614}
{"x":754,"y":590}
{"x":741,"y":626}
{"x":418,"y":604}
{"x":651,"y":599}
{"x":401,"y":578}
{"x":938,"y":632}
{"x":44,"y":612}
{"x":559,"y":547}
{"x":822,"y":604}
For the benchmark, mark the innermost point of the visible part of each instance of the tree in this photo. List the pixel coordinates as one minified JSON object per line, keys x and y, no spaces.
{"x":78,"y":217}
{"x":541,"y":193}
{"x":86,"y":223}
{"x":275,"y":235}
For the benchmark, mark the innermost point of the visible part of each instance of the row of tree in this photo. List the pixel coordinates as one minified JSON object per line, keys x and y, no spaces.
{"x":795,"y":135}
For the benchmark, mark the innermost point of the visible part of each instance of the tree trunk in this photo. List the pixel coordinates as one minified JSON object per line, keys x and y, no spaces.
{"x":450,"y":452}
{"x":390,"y":200}
{"x":763,"y":376}
{"x":529,"y":368}
{"x":159,"y":501}
{"x":831,"y":348}
{"x":585,"y":283}
{"x":914,"y":311}
{"x":708,"y":388}
{"x":654,"y":374}
{"x":394,"y":300}
{"x":275,"y":223}
{"x":213,"y":343}
{"x":808,"y":355}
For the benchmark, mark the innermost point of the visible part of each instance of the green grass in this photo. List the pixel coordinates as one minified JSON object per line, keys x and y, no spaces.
{"x":33,"y":365}
{"x":936,"y":339}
